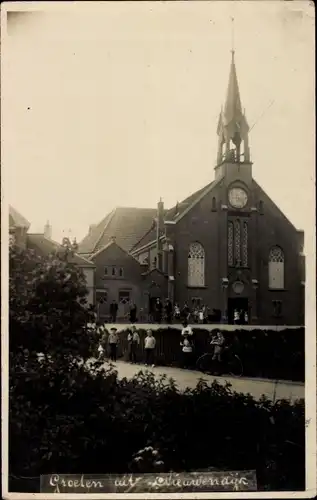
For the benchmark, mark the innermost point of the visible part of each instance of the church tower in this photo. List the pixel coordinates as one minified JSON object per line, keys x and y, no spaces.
{"x":237,"y":221}
{"x":233,"y":131}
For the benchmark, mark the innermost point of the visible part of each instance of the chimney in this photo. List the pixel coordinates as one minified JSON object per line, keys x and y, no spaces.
{"x":48,"y":230}
{"x":159,"y":233}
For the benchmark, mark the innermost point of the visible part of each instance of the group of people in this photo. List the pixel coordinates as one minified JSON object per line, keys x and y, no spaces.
{"x":133,"y":344}
{"x":164,"y":311}
{"x":134,"y":341}
{"x":187,"y":345}
{"x":240,"y":317}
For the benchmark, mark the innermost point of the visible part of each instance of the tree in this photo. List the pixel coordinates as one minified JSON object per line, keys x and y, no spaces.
{"x":48,"y":310}
{"x":48,"y":314}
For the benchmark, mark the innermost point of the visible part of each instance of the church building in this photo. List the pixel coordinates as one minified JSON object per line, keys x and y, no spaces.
{"x":227,"y":246}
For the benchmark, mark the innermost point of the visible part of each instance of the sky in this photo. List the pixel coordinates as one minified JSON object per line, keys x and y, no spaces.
{"x":116,"y":104}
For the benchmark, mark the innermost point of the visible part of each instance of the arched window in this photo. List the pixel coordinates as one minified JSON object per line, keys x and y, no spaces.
{"x":276,"y":268}
{"x":237,"y":242}
{"x":230,"y":244}
{"x":196,"y":265}
{"x":245,"y":244}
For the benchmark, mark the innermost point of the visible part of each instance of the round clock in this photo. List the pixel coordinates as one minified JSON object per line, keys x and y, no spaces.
{"x":238,"y":198}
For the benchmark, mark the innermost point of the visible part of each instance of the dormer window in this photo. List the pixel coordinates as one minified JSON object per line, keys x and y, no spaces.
{"x":113,"y":271}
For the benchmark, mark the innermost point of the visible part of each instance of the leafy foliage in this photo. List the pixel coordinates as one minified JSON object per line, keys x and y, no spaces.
{"x":70,"y":416}
{"x":47,"y":308}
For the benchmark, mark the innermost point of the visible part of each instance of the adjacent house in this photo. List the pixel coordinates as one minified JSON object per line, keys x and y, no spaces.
{"x":44,"y":245}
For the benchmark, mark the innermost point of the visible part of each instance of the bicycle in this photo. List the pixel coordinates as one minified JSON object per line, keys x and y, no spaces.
{"x":230,"y":362}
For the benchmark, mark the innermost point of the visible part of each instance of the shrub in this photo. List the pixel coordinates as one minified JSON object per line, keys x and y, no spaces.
{"x":95,"y":423}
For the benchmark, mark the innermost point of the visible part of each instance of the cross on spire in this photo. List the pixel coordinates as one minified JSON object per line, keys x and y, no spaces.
{"x":232,"y":36}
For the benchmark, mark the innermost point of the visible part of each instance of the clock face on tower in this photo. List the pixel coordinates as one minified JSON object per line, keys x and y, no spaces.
{"x":238,"y":198}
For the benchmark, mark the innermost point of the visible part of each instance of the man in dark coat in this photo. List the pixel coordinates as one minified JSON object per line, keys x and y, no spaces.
{"x":158,"y":311}
{"x":113,"y":311}
{"x":132,"y":313}
{"x":168,"y":311}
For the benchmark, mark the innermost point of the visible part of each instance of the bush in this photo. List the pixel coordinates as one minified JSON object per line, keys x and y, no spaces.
{"x":95,"y":423}
{"x":264,"y":353}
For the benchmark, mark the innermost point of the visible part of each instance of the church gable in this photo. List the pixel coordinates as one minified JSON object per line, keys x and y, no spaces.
{"x":266,"y":205}
{"x":113,"y":262}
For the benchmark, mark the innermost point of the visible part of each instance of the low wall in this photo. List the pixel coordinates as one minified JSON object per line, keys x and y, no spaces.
{"x":265,"y":352}
{"x":209,"y":327}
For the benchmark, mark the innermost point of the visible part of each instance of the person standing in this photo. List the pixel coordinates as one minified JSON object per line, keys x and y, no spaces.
{"x":132,"y":313}
{"x":113,"y":311}
{"x":100,"y":352}
{"x":177,"y":313}
{"x":158,"y":310}
{"x":241,"y":317}
{"x":187,"y":330}
{"x":218,"y":342}
{"x":149,"y":346}
{"x":185,"y":312}
{"x":168,"y":311}
{"x":246,"y":318}
{"x":201,"y":316}
{"x":113,"y":341}
{"x":187,"y":350}
{"x":236,"y":317}
{"x":133,"y":341}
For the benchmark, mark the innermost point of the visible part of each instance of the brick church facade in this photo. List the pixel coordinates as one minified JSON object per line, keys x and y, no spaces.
{"x":227,"y":246}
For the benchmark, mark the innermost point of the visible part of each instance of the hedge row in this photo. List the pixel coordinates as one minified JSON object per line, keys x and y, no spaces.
{"x":95,"y":423}
{"x":264,"y":353}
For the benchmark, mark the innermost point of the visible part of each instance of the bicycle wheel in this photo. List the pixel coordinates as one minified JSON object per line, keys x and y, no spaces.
{"x":235,"y":367}
{"x":205,"y":363}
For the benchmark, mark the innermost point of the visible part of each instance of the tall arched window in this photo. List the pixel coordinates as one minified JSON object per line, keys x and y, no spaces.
{"x":245,"y":244}
{"x":196,"y":265}
{"x":276,"y":268}
{"x":237,"y":242}
{"x":230,"y":244}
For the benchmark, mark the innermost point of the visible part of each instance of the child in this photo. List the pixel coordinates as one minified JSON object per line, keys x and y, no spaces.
{"x":187,"y":350}
{"x":236,"y":316}
{"x":218,"y":342}
{"x":113,"y":341}
{"x":201,"y":316}
{"x":100,"y":351}
{"x":186,"y":329}
{"x":149,"y":346}
{"x":177,"y":313}
{"x":134,"y":341}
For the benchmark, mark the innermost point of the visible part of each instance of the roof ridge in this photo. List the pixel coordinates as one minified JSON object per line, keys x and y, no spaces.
{"x":109,"y":218}
{"x":143,"y":236}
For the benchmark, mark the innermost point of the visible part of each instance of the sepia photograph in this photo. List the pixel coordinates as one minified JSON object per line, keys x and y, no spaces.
{"x":158,"y":249}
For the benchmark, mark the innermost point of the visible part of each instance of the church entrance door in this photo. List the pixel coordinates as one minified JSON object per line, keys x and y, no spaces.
{"x":240,"y":304}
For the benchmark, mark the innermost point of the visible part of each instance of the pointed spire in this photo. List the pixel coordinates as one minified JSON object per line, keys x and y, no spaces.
{"x":233,"y":109}
{"x":232,"y":126}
